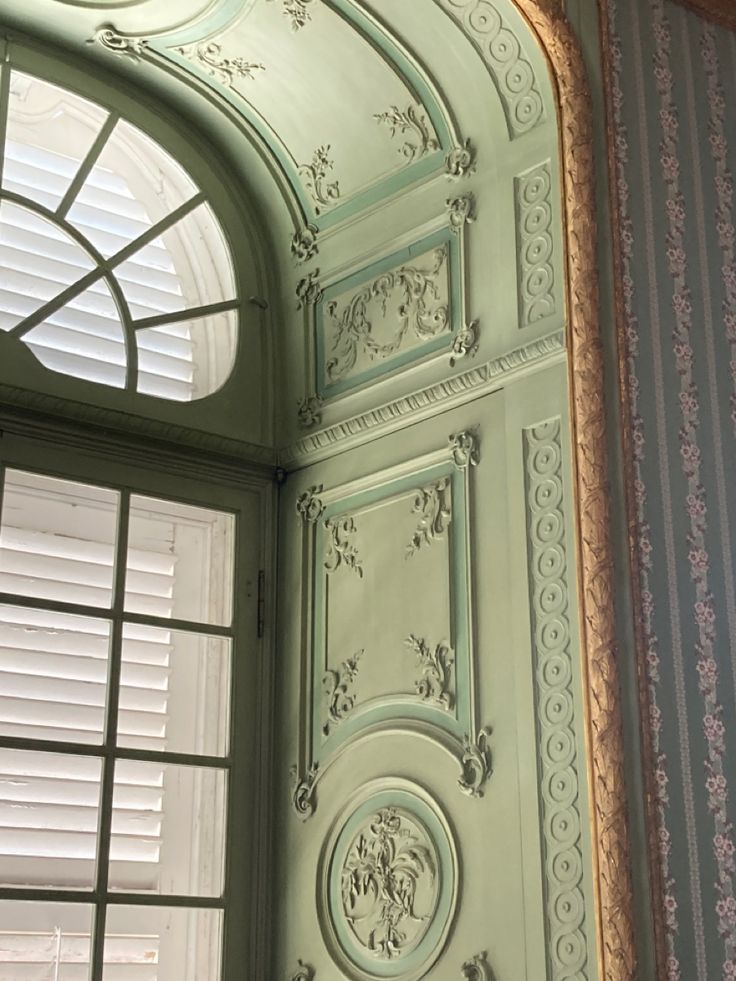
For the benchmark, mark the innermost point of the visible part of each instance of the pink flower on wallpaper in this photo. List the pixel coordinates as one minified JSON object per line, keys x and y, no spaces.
{"x":713,"y":728}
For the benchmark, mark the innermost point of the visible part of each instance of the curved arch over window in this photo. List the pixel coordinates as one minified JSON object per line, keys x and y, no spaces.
{"x":115,"y":268}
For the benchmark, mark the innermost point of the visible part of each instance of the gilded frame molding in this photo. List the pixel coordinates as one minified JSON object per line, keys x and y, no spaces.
{"x":722,"y":12}
{"x":604,"y":724}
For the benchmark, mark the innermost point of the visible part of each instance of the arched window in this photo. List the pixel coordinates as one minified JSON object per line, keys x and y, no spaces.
{"x":114,"y":267}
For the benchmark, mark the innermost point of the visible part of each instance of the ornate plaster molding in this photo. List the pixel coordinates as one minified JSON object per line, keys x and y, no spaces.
{"x":722,"y":12}
{"x":466,"y":343}
{"x":413,"y":125}
{"x":461,"y":160}
{"x":436,"y":667}
{"x":304,"y":972}
{"x":339,"y":698}
{"x":434,"y":504}
{"x":129,"y":46}
{"x":297,"y":11}
{"x":465,"y":448}
{"x":532,"y":191}
{"x":302,"y":791}
{"x":475,"y":764}
{"x":225,"y":70}
{"x":341,"y":550}
{"x":309,"y":411}
{"x":308,"y":290}
{"x":505,"y":60}
{"x":610,"y":833}
{"x":557,"y":736}
{"x":324,"y":192}
{"x":304,"y":243}
{"x":477,"y":968}
{"x":309,"y":505}
{"x":426,"y":401}
{"x":461,"y":211}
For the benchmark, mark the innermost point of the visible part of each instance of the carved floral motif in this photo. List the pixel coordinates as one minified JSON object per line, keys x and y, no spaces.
{"x":465,"y":449}
{"x":434,"y":503}
{"x":534,"y":257}
{"x":130,"y":46}
{"x":336,"y":687}
{"x":297,"y":11}
{"x":461,"y":211}
{"x":304,"y":972}
{"x":475,"y":763}
{"x":477,"y":968}
{"x":436,"y":665}
{"x":309,"y":411}
{"x":308,"y":290}
{"x":466,"y":342}
{"x":304,"y":243}
{"x":309,"y":506}
{"x":460,"y":161}
{"x":209,"y":56}
{"x":412,"y":124}
{"x":302,"y":791}
{"x":341,"y":549}
{"x":385,"y":868}
{"x":323,"y":191}
{"x":419,"y":311}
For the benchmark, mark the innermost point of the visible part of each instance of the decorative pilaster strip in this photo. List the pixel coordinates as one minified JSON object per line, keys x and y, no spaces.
{"x":610,"y":833}
{"x":536,"y":277}
{"x":553,"y":670}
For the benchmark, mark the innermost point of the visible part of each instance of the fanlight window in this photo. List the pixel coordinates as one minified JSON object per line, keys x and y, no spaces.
{"x":113,"y":266}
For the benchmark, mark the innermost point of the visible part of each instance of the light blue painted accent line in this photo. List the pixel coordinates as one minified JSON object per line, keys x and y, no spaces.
{"x":402,"y":66}
{"x":424,"y":816}
{"x":328,"y":390}
{"x":398,"y":707}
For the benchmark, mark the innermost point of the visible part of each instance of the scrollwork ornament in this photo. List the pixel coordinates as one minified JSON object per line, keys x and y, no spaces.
{"x":309,"y":506}
{"x":436,"y":666}
{"x":126,"y":45}
{"x":341,"y":550}
{"x":308,"y":290}
{"x":412,"y":124}
{"x":323,"y":191}
{"x":336,"y":685}
{"x":309,"y":411}
{"x":475,"y":764}
{"x":477,"y":968}
{"x":461,"y":161}
{"x":466,"y":343}
{"x":304,"y":244}
{"x":465,"y":449}
{"x":223,"y":69}
{"x":461,"y":211}
{"x":297,"y":11}
{"x":434,"y":503}
{"x":302,"y":791}
{"x":304,"y":972}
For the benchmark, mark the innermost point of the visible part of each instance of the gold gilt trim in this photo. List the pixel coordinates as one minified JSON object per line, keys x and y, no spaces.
{"x":656,"y":878}
{"x":610,"y":834}
{"x":722,"y":12}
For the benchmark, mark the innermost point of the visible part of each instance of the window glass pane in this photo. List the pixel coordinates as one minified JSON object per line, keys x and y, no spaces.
{"x":38,"y":260}
{"x":168,"y":828}
{"x":175,"y":691}
{"x":45,"y":941}
{"x":189,"y":359}
{"x":57,"y":539}
{"x":48,"y":819}
{"x":50,"y":131}
{"x":134,"y":184}
{"x":173,"y":944}
{"x":201,"y":261}
{"x":180,"y":561}
{"x":84,"y":339}
{"x":53,"y":675}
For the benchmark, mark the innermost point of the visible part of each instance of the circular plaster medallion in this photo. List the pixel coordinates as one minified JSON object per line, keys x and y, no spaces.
{"x":388,"y":884}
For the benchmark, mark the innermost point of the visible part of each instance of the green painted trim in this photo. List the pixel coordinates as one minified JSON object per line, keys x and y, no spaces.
{"x":4,"y":105}
{"x":398,"y":707}
{"x":328,"y":390}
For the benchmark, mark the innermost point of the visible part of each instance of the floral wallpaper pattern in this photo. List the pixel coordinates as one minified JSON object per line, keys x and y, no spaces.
{"x":674,"y":116}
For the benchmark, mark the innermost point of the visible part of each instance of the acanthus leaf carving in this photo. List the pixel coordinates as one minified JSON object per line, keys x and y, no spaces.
{"x":461,"y":211}
{"x":324,"y":192}
{"x":420,"y":311}
{"x":297,"y":11}
{"x":309,"y":506}
{"x":436,"y":665}
{"x":466,"y":343}
{"x":304,"y":243}
{"x":302,"y":791}
{"x":341,"y":549}
{"x":477,"y":968}
{"x":461,"y":161}
{"x":381,"y":875}
{"x":308,"y":290}
{"x":208,"y":54}
{"x":128,"y":45}
{"x":465,"y":449}
{"x":434,"y":503}
{"x":412,"y":124}
{"x":336,"y":685}
{"x":309,"y":411}
{"x":475,"y":763}
{"x":304,"y":972}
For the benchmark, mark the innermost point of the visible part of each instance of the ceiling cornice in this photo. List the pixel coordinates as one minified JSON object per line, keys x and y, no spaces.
{"x":721,"y":12}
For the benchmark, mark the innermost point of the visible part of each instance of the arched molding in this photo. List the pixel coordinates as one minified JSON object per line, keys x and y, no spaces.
{"x":610,"y":833}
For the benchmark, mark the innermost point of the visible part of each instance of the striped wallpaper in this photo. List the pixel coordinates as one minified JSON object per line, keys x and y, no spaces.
{"x":674,"y":113}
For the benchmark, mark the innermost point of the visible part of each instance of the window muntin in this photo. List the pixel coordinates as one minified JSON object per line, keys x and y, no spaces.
{"x":114,"y":267}
{"x":141,"y":809}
